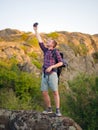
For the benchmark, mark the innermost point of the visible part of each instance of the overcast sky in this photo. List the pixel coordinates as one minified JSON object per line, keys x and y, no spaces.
{"x":52,"y":15}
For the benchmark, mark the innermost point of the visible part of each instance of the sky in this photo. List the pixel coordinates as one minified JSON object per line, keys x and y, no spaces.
{"x":52,"y":15}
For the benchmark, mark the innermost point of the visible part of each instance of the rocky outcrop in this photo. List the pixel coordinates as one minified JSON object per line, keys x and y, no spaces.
{"x":32,"y":120}
{"x":15,"y":50}
{"x":10,"y":34}
{"x":78,"y":49}
{"x":77,"y":38}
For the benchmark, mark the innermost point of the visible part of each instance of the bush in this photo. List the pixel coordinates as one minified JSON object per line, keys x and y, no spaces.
{"x":35,"y":60}
{"x":33,"y":55}
{"x":8,"y":99}
{"x":53,"y":35}
{"x":78,"y":49}
{"x":95,"y":56}
{"x":83,"y":49}
{"x":37,"y":64}
{"x":82,"y":101}
{"x":24,"y":36}
{"x":24,"y":88}
{"x":33,"y":41}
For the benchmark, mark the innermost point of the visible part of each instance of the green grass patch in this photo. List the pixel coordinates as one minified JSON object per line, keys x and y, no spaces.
{"x":33,"y":55}
{"x":37,"y":64}
{"x":53,"y":35}
{"x":33,"y":41}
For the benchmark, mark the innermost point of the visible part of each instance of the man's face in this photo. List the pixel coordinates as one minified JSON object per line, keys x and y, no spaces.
{"x":49,"y":43}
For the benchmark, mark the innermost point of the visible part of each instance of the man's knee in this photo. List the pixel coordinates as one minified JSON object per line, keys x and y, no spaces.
{"x":55,"y":93}
{"x":45,"y":93}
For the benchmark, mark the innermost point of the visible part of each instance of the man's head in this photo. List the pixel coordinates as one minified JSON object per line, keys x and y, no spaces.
{"x":51,"y":43}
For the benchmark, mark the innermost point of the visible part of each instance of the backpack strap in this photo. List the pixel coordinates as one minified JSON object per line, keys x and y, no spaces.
{"x":59,"y":69}
{"x":54,"y":55}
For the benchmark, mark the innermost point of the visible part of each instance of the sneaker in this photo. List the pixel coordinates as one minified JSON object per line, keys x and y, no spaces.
{"x":58,"y":113}
{"x":47,"y":111}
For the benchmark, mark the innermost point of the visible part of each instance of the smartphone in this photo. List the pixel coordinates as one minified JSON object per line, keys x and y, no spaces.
{"x":35,"y":24}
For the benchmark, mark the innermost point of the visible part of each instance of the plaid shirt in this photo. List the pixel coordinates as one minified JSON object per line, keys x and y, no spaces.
{"x":48,"y":57}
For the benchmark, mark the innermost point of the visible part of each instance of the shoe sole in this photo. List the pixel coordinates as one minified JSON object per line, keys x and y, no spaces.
{"x":47,"y":112}
{"x":58,"y":115}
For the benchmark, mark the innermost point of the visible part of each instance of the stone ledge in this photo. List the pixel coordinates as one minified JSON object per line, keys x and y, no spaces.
{"x":33,"y":120}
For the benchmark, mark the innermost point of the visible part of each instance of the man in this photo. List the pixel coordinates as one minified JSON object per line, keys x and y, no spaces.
{"x":49,"y":75}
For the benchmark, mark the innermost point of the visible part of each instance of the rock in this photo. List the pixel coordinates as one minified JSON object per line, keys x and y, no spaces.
{"x":33,"y":120}
{"x":30,"y":58}
{"x":10,"y":34}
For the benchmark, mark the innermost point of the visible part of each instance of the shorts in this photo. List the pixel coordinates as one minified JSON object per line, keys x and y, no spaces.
{"x":49,"y":81}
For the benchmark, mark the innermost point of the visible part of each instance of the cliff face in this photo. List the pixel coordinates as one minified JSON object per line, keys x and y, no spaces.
{"x":33,"y":120}
{"x":78,"y":49}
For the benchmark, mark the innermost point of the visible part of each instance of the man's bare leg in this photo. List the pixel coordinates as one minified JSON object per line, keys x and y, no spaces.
{"x":46,"y":98}
{"x":57,"y":99}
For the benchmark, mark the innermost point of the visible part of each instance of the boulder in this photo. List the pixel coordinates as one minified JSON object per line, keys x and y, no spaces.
{"x":33,"y":120}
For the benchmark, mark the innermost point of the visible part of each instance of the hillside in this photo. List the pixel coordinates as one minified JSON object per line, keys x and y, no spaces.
{"x":80,"y":50}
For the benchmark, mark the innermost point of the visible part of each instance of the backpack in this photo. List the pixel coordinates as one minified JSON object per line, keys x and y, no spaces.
{"x":65,"y":64}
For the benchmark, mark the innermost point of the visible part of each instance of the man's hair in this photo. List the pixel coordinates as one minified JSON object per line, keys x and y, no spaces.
{"x":54,"y":43}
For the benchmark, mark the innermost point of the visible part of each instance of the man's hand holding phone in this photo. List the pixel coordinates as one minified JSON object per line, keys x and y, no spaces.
{"x":35,"y":26}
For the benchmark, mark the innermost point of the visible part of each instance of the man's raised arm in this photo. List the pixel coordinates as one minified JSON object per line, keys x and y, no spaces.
{"x":37,"y":34}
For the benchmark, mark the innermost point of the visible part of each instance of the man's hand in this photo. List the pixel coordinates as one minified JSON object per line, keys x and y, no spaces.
{"x":54,"y":66}
{"x":37,"y":34}
{"x":49,"y":69}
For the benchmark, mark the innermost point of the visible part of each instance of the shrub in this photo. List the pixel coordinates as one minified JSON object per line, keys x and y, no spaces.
{"x":82,"y":101}
{"x":8,"y":99}
{"x":24,"y":48}
{"x":83,"y":49}
{"x":37,"y":64}
{"x":74,"y":47}
{"x":79,"y":49}
{"x":24,"y":89}
{"x":53,"y":35}
{"x":33,"y":55}
{"x":24,"y":36}
{"x":35,"y":60}
{"x":95,"y":56}
{"x":33,"y":41}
